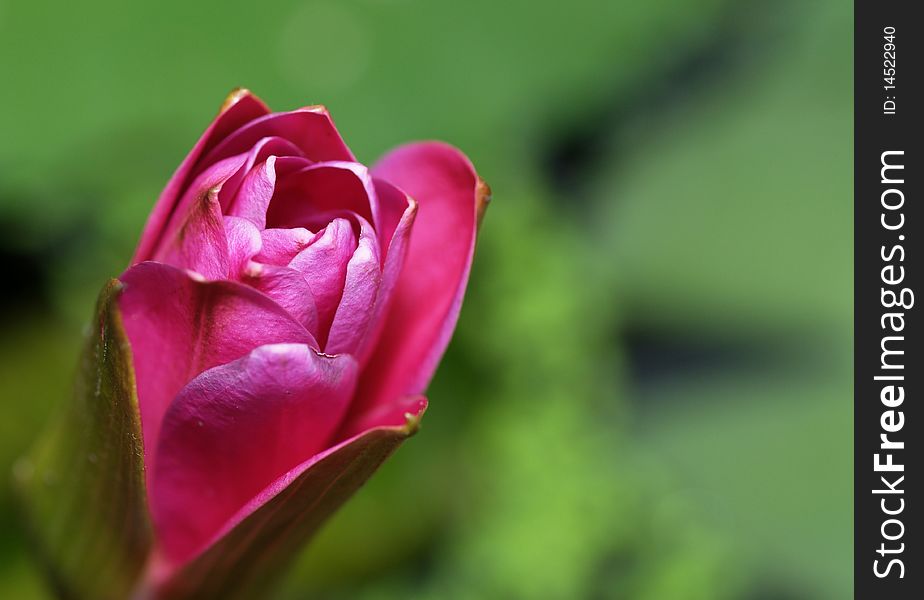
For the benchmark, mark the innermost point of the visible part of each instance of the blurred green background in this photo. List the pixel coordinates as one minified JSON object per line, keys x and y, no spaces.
{"x":649,"y":394}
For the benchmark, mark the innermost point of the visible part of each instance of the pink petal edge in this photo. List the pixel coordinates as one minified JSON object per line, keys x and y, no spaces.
{"x":179,"y":325}
{"x":428,"y":295}
{"x":236,"y":428}
{"x":239,"y":108}
{"x":402,"y":418}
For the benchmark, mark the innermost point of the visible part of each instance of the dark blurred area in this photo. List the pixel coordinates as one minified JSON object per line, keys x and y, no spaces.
{"x":649,"y":393}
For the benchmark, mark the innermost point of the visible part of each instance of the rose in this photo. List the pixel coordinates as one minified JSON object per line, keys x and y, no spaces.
{"x":266,"y":351}
{"x":284,"y":301}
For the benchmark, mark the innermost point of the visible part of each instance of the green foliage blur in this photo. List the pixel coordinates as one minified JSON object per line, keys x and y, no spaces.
{"x":649,"y":394}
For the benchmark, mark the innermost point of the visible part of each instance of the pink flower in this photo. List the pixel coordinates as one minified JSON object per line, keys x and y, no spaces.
{"x":284,"y":302}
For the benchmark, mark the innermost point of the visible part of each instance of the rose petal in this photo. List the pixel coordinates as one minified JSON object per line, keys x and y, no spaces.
{"x":234,"y":430}
{"x":324,"y":265}
{"x":305,"y":196}
{"x":179,"y":326}
{"x":289,"y":289}
{"x":243,"y":242}
{"x":429,"y":291}
{"x":360,"y":341}
{"x":354,"y":317}
{"x":239,"y":108}
{"x":280,"y":246}
{"x":255,"y":192}
{"x":310,"y":128}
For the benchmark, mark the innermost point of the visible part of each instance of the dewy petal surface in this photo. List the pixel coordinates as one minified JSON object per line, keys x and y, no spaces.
{"x":235,"y":429}
{"x":179,"y":326}
{"x":428,"y":294}
{"x":393,"y":204}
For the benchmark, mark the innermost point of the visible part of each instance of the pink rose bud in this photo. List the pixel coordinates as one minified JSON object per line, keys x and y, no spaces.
{"x":285,"y":311}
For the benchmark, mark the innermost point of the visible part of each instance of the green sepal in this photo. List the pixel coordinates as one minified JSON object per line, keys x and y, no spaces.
{"x":82,"y":488}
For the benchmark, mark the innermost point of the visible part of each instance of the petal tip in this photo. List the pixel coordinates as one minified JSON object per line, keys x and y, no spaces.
{"x":412,"y":423}
{"x":316,"y":108}
{"x":196,"y":276}
{"x":233,"y":98}
{"x":482,"y":199}
{"x":413,"y":417}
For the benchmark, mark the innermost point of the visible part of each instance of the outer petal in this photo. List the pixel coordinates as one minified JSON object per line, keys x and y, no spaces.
{"x":179,"y":326}
{"x":191,"y":238}
{"x":310,"y":128}
{"x":261,"y":152}
{"x":237,"y":428}
{"x":238,"y":109}
{"x":263,"y":537}
{"x":429,"y":291}
{"x":244,"y":242}
{"x":393,"y":204}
